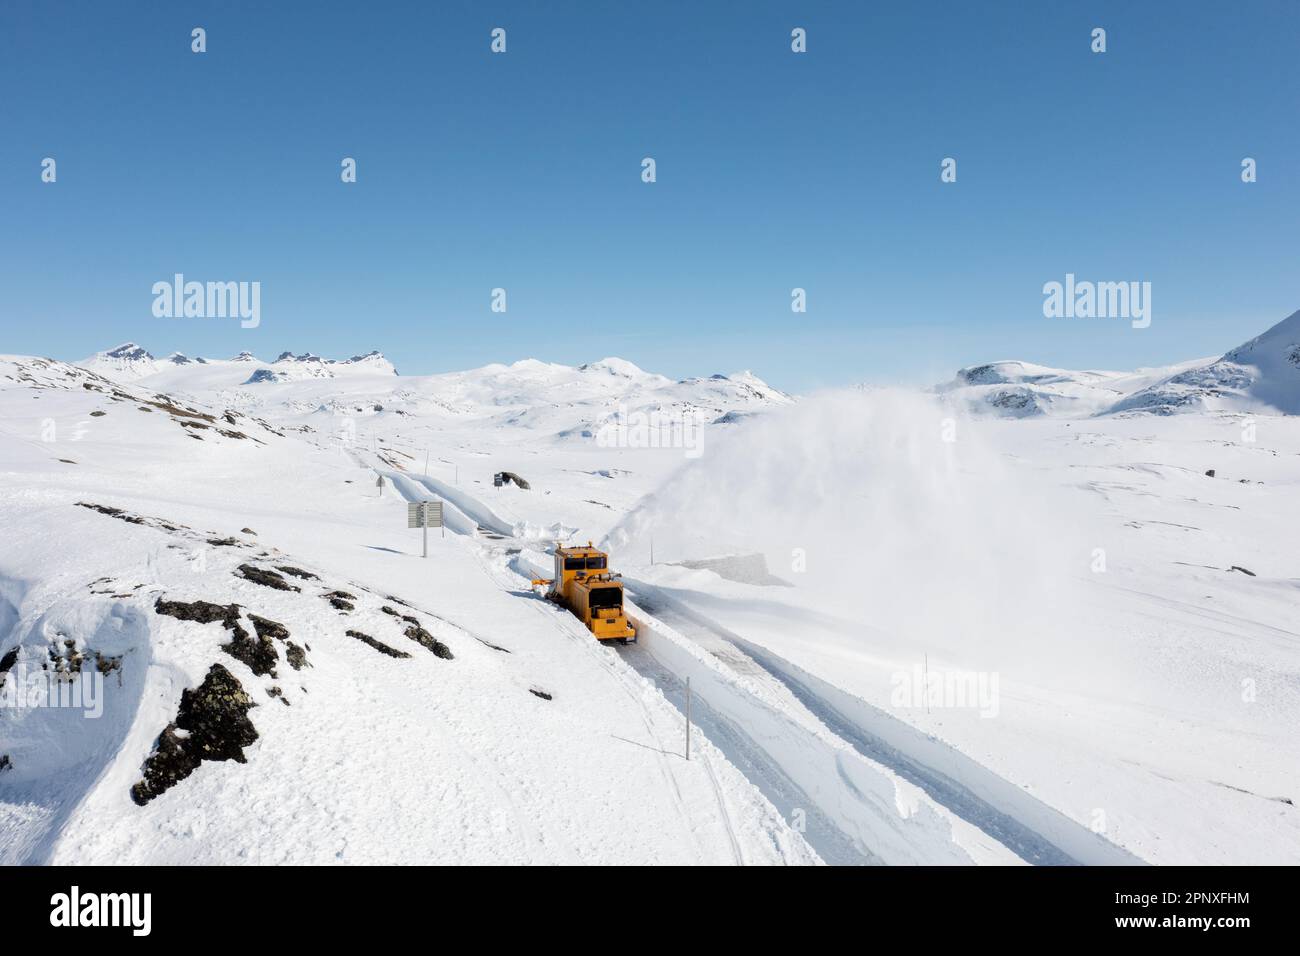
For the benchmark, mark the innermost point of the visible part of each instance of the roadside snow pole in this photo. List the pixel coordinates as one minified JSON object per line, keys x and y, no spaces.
{"x":688,"y":718}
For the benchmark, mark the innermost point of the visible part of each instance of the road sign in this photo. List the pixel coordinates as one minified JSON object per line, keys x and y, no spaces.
{"x":424,"y":514}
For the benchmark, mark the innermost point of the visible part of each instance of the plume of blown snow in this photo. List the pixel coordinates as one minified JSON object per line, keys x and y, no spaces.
{"x":929,"y":543}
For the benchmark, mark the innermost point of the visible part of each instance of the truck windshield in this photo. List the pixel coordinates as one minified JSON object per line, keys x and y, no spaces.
{"x":606,"y":597}
{"x":596,"y":564}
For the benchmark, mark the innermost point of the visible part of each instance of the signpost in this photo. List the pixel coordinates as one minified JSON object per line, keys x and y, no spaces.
{"x":426,"y":515}
{"x":688,"y":718}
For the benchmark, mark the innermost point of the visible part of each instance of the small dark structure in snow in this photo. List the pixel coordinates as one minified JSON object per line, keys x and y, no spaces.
{"x":508,"y":477}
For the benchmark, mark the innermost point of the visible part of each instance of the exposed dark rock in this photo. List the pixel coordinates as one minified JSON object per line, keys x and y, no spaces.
{"x":341,"y":600}
{"x":98,"y":414}
{"x":204,"y":612}
{"x":258,"y":653}
{"x":539,"y":693}
{"x":5,"y":763}
{"x":247,"y":531}
{"x":1210,"y":473}
{"x":268,"y":628}
{"x":7,"y":662}
{"x":290,"y":569}
{"x":1242,"y":570}
{"x":270,"y":579}
{"x":66,"y":660}
{"x":377,"y":645}
{"x":405,"y":617}
{"x":509,"y":477}
{"x":214,"y":718}
{"x":164,"y":403}
{"x":418,"y":634}
{"x":295,"y":655}
{"x":223,"y":542}
{"x":111,"y":512}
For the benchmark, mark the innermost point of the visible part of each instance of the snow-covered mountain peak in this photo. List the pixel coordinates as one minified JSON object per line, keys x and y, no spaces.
{"x":124,"y":362}
{"x":180,"y":358}
{"x":1261,"y":374}
{"x":614,"y":366}
{"x":1276,"y":351}
{"x":373,"y":361}
{"x":128,"y":351}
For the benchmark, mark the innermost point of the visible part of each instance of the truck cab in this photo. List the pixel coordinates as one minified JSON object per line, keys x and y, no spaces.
{"x":583,"y":583}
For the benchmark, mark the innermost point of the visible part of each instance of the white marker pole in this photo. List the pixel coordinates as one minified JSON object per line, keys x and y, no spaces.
{"x":688,"y":718}
{"x":424,"y":522}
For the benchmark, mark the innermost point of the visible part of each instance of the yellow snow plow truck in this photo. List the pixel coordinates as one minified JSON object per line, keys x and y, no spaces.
{"x":584,"y":584}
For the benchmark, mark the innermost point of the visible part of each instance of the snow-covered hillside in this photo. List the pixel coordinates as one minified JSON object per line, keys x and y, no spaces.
{"x":221,"y":559}
{"x":569,"y":403}
{"x":1264,"y":373}
{"x":283,"y":679}
{"x":1261,"y":375}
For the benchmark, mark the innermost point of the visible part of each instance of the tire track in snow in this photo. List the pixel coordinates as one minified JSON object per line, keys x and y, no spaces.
{"x":1038,"y":833}
{"x":855,"y":810}
{"x":753,"y":762}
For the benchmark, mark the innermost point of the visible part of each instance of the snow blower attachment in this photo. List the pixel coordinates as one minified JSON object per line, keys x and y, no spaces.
{"x":584,"y":584}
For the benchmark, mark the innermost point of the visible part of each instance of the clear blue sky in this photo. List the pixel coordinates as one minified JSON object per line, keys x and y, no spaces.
{"x":775,"y":170}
